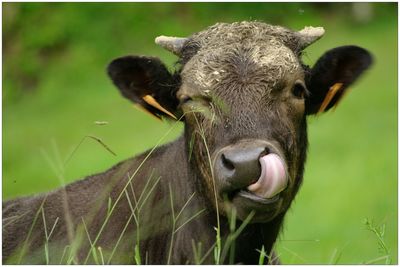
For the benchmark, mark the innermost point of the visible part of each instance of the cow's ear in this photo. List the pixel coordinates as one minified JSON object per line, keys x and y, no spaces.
{"x":147,"y":82}
{"x":331,"y":76}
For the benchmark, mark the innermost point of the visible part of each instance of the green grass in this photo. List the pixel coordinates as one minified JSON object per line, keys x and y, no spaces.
{"x":351,"y":171}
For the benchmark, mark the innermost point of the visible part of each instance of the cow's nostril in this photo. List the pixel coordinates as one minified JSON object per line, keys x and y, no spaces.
{"x":227,"y":163}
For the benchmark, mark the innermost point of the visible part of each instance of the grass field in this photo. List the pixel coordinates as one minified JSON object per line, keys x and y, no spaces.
{"x":55,"y":89}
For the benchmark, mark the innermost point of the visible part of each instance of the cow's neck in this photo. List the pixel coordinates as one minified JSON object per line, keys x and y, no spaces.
{"x":255,"y":236}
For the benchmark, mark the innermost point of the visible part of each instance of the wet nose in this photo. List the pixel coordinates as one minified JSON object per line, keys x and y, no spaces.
{"x":238,"y":166}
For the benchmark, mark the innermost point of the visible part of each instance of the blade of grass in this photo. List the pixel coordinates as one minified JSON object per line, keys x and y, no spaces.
{"x":63,"y":254}
{"x":12,"y":219}
{"x":60,"y":175}
{"x":208,"y":252}
{"x":379,"y":232}
{"x":263,"y":254}
{"x":386,"y":257}
{"x":171,"y":197}
{"x":137,"y":257}
{"x":337,"y":254}
{"x":25,"y":245}
{"x":92,"y":248}
{"x":101,"y":255}
{"x":295,"y":254}
{"x":101,"y":143}
{"x":122,"y":233}
{"x":54,"y":226}
{"x":47,"y":236}
{"x":109,"y":205}
{"x":232,"y":227}
{"x":217,"y":250}
{"x":130,"y":179}
{"x":189,"y":220}
{"x":46,"y":244}
{"x":232,"y":236}
{"x":149,"y":193}
{"x":191,"y":143}
{"x":196,"y":252}
{"x":184,"y":206}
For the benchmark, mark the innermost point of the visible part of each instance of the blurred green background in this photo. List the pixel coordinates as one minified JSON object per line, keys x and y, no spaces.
{"x":55,"y":90}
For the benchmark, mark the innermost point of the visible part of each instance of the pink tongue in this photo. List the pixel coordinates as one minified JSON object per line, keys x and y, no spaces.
{"x":273,"y":178}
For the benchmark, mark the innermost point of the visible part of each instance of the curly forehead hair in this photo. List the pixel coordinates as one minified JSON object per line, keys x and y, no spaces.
{"x":250,"y":33}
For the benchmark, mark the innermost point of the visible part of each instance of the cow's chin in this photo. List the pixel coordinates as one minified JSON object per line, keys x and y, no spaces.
{"x":248,"y":204}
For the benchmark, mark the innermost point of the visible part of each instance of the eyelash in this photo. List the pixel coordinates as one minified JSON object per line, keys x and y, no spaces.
{"x":185,"y":99}
{"x":299,"y":91}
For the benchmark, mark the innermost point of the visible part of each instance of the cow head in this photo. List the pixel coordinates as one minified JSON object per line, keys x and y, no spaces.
{"x":244,"y":96}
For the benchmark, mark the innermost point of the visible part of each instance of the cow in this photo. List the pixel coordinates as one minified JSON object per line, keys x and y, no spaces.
{"x":219,"y":192}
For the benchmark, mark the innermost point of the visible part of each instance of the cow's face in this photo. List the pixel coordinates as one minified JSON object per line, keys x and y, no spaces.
{"x":243,"y":94}
{"x":248,"y":100}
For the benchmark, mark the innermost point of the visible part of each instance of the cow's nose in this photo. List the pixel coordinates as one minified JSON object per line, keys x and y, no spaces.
{"x":238,"y":166}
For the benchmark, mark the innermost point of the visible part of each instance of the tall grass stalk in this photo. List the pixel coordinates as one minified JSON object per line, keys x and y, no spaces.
{"x":194,"y":216}
{"x":63,"y":254}
{"x":59,"y":171}
{"x":10,"y":220}
{"x":137,"y":257}
{"x":217,"y":248}
{"x":25,"y":245}
{"x":197,"y":249}
{"x":230,"y":240}
{"x":295,"y":255}
{"x":175,"y":219}
{"x":232,"y":228}
{"x":386,"y":258}
{"x":48,"y":236}
{"x":379,"y":232}
{"x":129,"y":180}
{"x":123,"y":231}
{"x":101,"y":255}
{"x":58,"y":167}
{"x":173,"y":225}
{"x":337,"y":254}
{"x":141,"y":201}
{"x":92,"y":248}
{"x":75,"y":245}
{"x":262,"y":257}
{"x":146,"y":196}
{"x":69,"y":157}
{"x":196,"y":252}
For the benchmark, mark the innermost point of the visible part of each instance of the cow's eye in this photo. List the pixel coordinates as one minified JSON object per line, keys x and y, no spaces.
{"x":299,"y":90}
{"x":183,"y":99}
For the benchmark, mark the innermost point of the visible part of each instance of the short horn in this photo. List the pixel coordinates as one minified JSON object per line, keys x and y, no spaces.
{"x":172,"y":44}
{"x":309,"y":35}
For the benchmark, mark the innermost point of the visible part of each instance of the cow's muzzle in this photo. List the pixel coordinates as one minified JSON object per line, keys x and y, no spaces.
{"x":255,"y":168}
{"x":251,"y":175}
